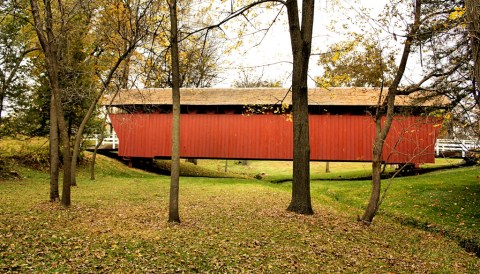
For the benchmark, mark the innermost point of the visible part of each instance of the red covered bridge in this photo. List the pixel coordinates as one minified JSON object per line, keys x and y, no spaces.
{"x":256,"y":124}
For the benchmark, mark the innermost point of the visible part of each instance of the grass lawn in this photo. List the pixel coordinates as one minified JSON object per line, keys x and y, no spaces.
{"x":282,"y":170}
{"x":118,"y":224}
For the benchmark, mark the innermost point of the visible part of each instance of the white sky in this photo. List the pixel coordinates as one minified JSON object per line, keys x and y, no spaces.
{"x":272,"y":56}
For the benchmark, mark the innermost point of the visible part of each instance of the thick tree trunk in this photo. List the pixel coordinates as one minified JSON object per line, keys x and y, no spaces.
{"x":173,"y":215}
{"x":301,"y":200}
{"x":301,"y":39}
{"x":54,"y":155}
{"x":67,"y":158}
{"x":48,"y":41}
{"x":473,"y":16}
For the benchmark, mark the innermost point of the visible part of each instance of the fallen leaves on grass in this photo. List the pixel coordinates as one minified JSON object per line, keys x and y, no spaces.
{"x":232,"y":225}
{"x":239,"y":228}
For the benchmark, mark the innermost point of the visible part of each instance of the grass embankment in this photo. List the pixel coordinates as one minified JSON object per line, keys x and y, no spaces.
{"x":118,"y":223}
{"x":32,"y":152}
{"x":281,"y":171}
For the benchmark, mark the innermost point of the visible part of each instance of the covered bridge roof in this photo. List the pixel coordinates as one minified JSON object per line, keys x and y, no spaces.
{"x":261,"y":96}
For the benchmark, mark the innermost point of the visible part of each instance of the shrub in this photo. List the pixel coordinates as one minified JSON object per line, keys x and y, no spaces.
{"x":31,"y":152}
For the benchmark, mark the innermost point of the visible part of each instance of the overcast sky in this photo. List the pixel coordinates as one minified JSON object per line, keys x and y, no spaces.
{"x":272,"y":57}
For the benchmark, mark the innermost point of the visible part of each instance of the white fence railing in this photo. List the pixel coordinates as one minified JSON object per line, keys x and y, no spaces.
{"x":110,"y":139}
{"x":454,"y":145}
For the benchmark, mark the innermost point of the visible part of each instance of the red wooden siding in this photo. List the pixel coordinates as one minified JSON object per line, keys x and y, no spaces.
{"x":233,"y":136}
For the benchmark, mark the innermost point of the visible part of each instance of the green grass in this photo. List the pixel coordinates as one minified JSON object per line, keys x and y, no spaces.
{"x":118,"y":224}
{"x":191,"y":170}
{"x":280,"y":171}
{"x":444,"y":201}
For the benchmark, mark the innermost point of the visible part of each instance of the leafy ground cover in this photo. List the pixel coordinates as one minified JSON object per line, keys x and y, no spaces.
{"x":118,"y":223}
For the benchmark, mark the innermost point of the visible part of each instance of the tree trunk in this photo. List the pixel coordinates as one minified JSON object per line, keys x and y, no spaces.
{"x":2,"y":97}
{"x":381,"y":132}
{"x":48,"y":41}
{"x":372,"y":206}
{"x":173,"y":215}
{"x":79,"y":138}
{"x":99,"y":143}
{"x":473,"y":17}
{"x":94,"y":155}
{"x":102,"y":135}
{"x":301,"y":39}
{"x":67,"y":158}
{"x":54,"y":155}
{"x":124,"y":83}
{"x":327,"y":167}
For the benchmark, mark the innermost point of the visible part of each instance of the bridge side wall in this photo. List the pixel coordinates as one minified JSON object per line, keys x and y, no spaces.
{"x":269,"y":136}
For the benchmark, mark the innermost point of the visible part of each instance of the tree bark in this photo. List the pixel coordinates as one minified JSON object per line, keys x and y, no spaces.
{"x":94,"y":155}
{"x":381,"y":131}
{"x":54,"y":155}
{"x":173,"y":215}
{"x":301,"y":40}
{"x":2,"y":96}
{"x":473,"y":17}
{"x":48,"y":41}
{"x":93,"y":105}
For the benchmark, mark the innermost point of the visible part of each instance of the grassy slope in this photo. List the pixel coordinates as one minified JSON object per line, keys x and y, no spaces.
{"x":282,"y":170}
{"x":229,"y":225}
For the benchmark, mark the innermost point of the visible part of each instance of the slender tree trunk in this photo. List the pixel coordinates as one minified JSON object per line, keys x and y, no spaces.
{"x":102,"y":135}
{"x":301,"y":39}
{"x":124,"y":82}
{"x":99,"y":143}
{"x":94,"y":155}
{"x":2,"y":97}
{"x":372,"y":206}
{"x":54,"y":155}
{"x":173,"y":215}
{"x":381,"y":132}
{"x":79,"y":138}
